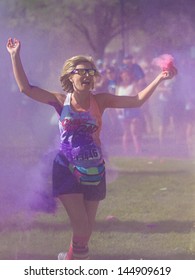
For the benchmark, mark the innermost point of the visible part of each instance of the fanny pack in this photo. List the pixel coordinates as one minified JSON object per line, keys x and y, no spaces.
{"x":90,"y":175}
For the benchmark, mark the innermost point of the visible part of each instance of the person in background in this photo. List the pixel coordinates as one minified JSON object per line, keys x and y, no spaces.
{"x":131,"y":119}
{"x":109,"y":80}
{"x":79,"y":176}
{"x":165,"y":111}
{"x":139,"y":79}
{"x":135,"y":70}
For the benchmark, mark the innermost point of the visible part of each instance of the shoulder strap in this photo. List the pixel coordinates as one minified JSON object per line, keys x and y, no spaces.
{"x":68,"y":98}
{"x":66,"y":107}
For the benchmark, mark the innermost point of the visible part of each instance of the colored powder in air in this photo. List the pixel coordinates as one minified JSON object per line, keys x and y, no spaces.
{"x":164,"y":61}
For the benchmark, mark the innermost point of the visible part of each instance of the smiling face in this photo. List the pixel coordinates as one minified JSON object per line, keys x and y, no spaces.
{"x":83,"y":81}
{"x":74,"y":80}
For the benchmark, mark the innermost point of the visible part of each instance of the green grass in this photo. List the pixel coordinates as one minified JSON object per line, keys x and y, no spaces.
{"x":153,"y":205}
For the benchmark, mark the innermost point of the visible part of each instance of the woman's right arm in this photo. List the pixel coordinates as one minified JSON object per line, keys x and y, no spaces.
{"x":36,"y":93}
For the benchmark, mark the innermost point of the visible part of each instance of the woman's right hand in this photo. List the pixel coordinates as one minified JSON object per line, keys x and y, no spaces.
{"x":13,"y":46}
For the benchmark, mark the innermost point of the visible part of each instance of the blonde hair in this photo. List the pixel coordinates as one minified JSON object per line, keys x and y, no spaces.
{"x":69,"y":66}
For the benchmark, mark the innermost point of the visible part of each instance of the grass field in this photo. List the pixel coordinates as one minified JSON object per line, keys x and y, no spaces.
{"x":151,"y":202}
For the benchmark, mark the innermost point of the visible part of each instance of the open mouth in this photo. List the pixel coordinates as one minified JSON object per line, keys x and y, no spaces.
{"x":86,"y":82}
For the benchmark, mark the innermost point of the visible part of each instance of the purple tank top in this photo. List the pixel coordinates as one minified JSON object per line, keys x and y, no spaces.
{"x":80,"y":134}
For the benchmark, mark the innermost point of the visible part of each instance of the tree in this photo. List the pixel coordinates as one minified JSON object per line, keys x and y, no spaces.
{"x":98,"y":21}
{"x":95,"y":23}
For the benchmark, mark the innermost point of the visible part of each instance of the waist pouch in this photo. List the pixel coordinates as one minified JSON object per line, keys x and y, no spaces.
{"x":90,"y":175}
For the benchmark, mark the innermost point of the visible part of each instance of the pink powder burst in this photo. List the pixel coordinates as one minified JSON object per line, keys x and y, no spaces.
{"x":164,"y":61}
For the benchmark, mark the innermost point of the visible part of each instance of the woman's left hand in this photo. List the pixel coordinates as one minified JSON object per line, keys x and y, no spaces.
{"x":169,"y":74}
